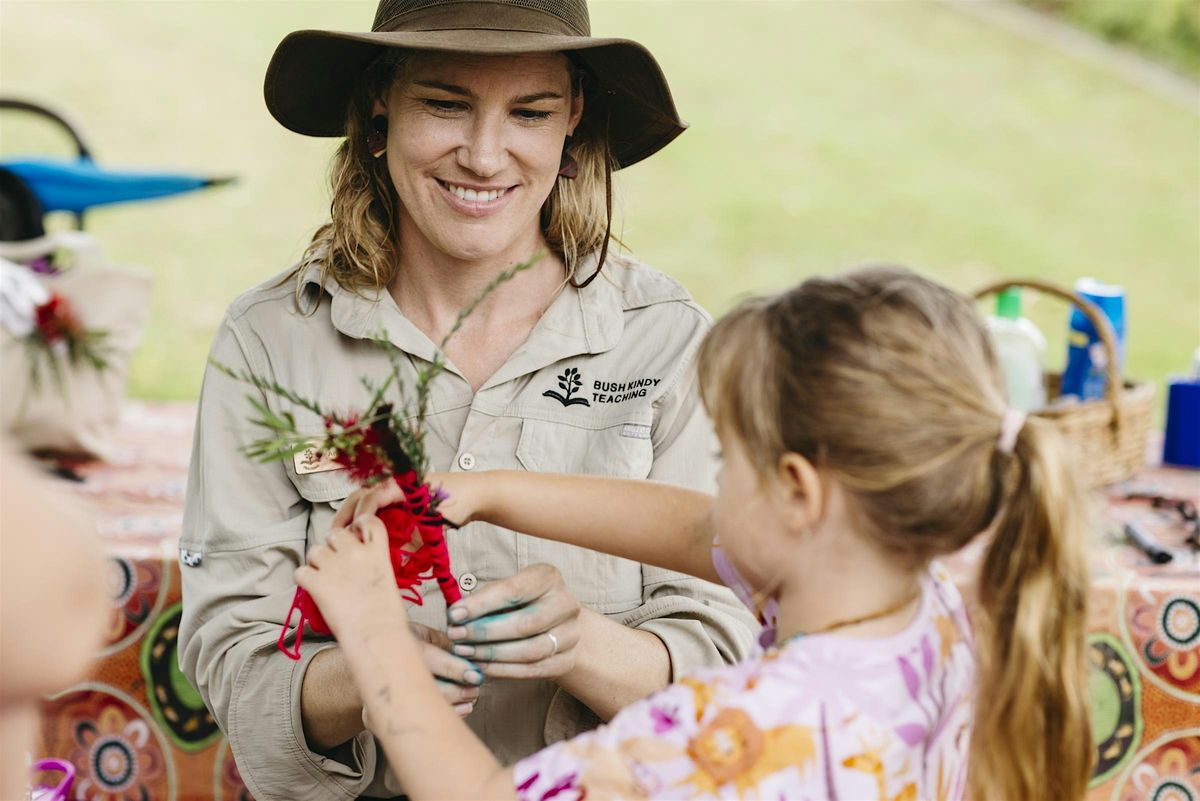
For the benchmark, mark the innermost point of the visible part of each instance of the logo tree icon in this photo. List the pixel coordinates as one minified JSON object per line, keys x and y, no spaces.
{"x":569,"y":382}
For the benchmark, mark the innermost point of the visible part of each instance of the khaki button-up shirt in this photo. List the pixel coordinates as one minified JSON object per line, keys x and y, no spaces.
{"x":604,"y":384}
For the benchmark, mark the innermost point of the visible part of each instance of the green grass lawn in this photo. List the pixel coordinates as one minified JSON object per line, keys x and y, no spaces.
{"x":824,"y":134}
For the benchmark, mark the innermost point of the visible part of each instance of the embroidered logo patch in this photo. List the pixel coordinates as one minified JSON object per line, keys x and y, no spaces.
{"x":569,"y":382}
{"x":190,"y":558}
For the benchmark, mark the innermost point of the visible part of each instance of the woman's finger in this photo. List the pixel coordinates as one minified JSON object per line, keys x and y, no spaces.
{"x":498,"y":596}
{"x":531,"y":649}
{"x":551,"y":668}
{"x":456,"y":693}
{"x":464,"y":709}
{"x":433,"y":637}
{"x":522,"y":623}
{"x":448,"y":667}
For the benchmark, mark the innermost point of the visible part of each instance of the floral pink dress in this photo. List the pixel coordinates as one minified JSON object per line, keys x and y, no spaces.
{"x":820,"y":717}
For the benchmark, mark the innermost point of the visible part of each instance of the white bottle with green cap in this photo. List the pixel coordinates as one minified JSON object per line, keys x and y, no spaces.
{"x":1021,"y":349}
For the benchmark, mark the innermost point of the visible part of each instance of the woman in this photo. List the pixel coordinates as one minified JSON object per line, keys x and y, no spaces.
{"x":477,"y":135}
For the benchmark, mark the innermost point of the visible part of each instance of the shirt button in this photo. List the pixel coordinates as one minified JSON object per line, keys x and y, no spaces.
{"x":467,"y":582}
{"x":467,"y":461}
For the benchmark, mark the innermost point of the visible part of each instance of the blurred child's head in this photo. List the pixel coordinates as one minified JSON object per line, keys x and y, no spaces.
{"x":875,"y":397}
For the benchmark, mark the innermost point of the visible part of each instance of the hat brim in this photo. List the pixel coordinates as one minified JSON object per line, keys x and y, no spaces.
{"x":312,"y":74}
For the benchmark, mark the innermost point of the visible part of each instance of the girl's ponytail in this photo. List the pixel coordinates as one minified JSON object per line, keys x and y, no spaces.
{"x":1032,"y":739}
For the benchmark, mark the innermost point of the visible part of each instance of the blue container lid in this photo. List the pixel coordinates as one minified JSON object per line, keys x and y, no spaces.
{"x":1111,"y":300}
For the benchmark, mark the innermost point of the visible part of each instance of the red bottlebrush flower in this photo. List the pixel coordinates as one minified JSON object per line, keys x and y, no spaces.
{"x":363,"y":456}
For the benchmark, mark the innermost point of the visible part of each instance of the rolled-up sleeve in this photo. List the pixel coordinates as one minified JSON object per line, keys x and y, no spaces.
{"x":245,"y":531}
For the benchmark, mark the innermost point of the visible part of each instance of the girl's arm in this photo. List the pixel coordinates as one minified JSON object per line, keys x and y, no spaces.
{"x":426,"y":742}
{"x":646,"y":521}
{"x":431,"y":750}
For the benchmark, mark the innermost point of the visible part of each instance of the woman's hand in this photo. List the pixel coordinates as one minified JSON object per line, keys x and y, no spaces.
{"x":457,"y":678}
{"x":524,"y":627}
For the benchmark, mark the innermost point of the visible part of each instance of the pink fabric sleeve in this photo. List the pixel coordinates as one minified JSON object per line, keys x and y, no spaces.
{"x":628,"y":757}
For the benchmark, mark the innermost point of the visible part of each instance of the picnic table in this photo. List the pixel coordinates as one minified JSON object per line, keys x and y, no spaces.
{"x":135,"y":727}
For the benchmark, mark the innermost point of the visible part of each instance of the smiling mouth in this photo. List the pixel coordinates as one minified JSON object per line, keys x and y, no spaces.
{"x":472,"y":195}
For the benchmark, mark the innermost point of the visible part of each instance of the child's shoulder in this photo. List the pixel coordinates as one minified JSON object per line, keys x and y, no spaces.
{"x":846,"y":669}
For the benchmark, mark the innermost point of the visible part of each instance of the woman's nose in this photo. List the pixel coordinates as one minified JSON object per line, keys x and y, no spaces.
{"x":485,"y":151}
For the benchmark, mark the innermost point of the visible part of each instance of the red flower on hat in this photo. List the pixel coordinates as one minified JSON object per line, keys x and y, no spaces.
{"x":56,"y":321}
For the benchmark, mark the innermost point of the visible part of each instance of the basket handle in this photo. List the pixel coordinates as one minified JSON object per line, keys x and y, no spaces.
{"x":1098,"y":319}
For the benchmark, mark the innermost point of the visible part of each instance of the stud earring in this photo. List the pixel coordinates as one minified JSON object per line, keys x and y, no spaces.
{"x":377,"y":139}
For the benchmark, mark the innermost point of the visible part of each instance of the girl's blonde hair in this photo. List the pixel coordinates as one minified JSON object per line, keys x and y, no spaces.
{"x":358,"y":247}
{"x":887,"y":383}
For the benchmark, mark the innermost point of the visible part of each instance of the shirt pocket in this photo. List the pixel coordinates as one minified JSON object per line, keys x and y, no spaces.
{"x":623,"y":449}
{"x":322,"y":486}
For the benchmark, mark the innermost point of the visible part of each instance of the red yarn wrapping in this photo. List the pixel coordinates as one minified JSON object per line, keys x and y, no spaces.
{"x":410,"y":522}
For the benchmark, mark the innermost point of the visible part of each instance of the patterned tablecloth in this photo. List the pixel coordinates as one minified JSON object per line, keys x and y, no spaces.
{"x":136,"y":729}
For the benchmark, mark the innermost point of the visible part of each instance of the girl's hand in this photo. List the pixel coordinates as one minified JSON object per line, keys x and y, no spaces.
{"x":462,"y":504}
{"x":350,"y":577}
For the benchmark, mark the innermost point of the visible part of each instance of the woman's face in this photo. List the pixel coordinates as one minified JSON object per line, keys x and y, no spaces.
{"x":474,"y":145}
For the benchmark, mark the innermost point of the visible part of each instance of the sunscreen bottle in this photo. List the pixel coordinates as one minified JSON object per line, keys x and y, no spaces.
{"x":1020,"y":348}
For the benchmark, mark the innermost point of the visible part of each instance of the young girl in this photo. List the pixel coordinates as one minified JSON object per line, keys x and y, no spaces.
{"x":864,"y":432}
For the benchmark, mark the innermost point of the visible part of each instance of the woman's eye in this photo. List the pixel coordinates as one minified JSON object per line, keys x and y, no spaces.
{"x":532,"y":114}
{"x":444,"y":105}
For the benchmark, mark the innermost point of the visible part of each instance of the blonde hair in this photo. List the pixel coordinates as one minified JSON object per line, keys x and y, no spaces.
{"x":358,"y":247}
{"x":887,"y":383}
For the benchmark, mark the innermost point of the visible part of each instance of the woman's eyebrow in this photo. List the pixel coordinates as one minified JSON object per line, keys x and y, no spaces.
{"x":536,"y":96}
{"x":445,"y":87}
{"x":462,"y":91}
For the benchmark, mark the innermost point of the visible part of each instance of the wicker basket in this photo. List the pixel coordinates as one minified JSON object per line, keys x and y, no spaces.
{"x":1110,"y":434}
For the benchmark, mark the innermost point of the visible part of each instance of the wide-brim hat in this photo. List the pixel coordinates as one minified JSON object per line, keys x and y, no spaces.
{"x":312,"y":74}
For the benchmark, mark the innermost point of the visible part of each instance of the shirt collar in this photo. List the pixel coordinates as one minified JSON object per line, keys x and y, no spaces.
{"x":578,"y":321}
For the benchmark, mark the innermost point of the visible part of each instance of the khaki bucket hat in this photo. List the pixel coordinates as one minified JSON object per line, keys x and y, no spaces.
{"x":312,"y":74}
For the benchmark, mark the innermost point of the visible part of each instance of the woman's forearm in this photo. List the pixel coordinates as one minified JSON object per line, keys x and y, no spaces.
{"x":646,"y":521}
{"x":616,"y":666}
{"x":330,"y":705}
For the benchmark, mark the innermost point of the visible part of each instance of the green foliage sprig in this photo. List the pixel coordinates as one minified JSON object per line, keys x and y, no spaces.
{"x":389,"y":438}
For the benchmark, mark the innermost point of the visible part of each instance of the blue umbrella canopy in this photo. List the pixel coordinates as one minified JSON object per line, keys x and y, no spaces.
{"x":76,"y":185}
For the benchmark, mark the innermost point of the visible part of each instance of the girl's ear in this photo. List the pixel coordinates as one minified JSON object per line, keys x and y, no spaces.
{"x":378,"y":108}
{"x":803,"y":494}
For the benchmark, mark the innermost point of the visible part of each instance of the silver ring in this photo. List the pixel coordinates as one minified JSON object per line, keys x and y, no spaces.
{"x":554,"y":642}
